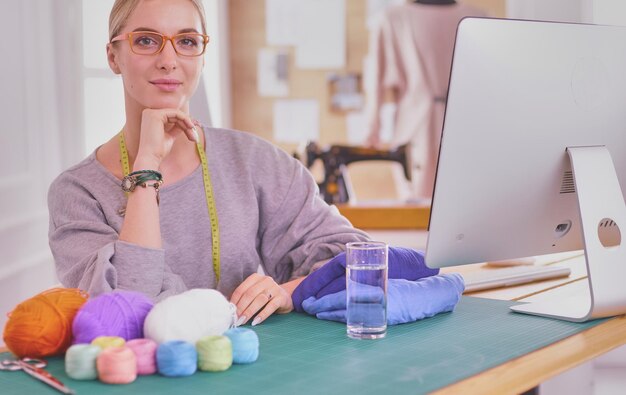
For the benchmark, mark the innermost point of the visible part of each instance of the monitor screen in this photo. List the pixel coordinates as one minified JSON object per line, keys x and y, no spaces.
{"x":521,"y":94}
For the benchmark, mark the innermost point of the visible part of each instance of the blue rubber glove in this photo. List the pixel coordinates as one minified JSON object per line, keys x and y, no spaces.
{"x":403,"y":263}
{"x":407,"y":301}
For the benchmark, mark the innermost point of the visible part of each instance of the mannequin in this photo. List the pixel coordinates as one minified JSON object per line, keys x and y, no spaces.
{"x":436,"y":2}
{"x":411,"y":52}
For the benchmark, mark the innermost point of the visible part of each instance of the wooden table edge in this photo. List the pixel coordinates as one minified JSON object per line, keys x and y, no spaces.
{"x":387,"y":217}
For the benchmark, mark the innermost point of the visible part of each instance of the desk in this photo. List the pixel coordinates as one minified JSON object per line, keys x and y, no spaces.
{"x":514,"y":376}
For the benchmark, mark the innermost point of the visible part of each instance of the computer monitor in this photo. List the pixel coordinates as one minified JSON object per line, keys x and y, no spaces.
{"x":534,"y":139}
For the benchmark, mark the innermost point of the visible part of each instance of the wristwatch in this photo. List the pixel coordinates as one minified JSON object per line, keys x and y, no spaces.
{"x":129,"y":183}
{"x":141,"y":178}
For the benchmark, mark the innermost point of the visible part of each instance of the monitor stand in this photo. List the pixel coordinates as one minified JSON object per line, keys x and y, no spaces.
{"x":600,"y":199}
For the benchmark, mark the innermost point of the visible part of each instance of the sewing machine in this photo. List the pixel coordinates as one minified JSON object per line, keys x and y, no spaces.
{"x":336,"y":187}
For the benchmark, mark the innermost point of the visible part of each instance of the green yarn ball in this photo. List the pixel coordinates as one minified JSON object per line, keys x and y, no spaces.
{"x":215,"y":353}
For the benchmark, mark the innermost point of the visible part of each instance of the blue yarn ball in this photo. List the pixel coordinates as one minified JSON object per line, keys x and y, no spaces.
{"x":177,"y":358}
{"x":245,"y":344}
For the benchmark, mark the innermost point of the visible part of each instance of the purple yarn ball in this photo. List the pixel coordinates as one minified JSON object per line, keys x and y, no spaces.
{"x":118,"y":313}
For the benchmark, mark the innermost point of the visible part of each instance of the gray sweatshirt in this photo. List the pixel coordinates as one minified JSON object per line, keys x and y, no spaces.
{"x":269,"y":211}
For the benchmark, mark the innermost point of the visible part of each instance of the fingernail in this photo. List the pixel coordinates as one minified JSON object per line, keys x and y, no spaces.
{"x":195,"y":132}
{"x":241,"y":320}
{"x":256,"y":320}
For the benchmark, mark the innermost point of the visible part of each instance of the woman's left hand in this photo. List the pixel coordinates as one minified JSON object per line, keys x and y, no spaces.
{"x":260,"y":295}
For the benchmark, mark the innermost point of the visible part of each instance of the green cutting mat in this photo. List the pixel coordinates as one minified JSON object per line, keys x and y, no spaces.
{"x":300,"y":355}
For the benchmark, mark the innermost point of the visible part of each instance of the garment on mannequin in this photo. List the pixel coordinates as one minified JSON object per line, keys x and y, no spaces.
{"x":411,"y":53}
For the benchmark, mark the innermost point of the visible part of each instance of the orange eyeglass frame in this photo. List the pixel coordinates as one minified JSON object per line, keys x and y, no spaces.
{"x":129,"y":37}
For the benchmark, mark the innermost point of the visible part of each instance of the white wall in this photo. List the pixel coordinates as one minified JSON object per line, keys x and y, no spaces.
{"x":547,"y":10}
{"x":603,"y":12}
{"x":216,"y":75}
{"x":32,"y":147}
{"x":609,"y":12}
{"x":211,"y":103}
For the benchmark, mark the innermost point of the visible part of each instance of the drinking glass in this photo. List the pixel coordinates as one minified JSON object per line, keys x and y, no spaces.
{"x":366,"y":289}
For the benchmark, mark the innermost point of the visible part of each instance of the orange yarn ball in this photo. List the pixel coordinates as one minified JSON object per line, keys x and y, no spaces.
{"x":42,"y":325}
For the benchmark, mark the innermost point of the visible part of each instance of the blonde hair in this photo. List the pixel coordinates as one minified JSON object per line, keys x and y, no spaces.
{"x":123,"y":8}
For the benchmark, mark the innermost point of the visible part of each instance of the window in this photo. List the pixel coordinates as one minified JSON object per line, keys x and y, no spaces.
{"x":102,"y":89}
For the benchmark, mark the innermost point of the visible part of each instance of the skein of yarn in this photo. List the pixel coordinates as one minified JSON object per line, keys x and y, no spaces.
{"x":105,"y":342}
{"x":118,"y":313}
{"x":42,"y":325}
{"x":80,"y":361}
{"x":245,"y":344}
{"x":177,"y":358}
{"x":117,"y":365}
{"x":215,"y":353}
{"x":190,"y":316}
{"x":145,"y":352}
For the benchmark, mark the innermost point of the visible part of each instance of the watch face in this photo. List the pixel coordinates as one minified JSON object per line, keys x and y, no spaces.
{"x":127,"y":184}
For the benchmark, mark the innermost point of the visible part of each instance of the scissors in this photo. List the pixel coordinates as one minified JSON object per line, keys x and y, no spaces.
{"x":34,"y":367}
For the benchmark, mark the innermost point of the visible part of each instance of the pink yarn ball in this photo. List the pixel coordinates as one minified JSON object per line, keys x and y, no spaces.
{"x":117,"y":365}
{"x":119,"y":313}
{"x":145,"y":351}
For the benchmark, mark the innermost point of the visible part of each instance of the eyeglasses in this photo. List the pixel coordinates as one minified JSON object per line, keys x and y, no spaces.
{"x":152,"y":43}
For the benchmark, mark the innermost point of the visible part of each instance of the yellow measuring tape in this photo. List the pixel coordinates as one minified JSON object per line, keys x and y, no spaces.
{"x":208,"y":191}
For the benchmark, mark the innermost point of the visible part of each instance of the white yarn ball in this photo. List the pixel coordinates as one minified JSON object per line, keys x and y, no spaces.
{"x":189,"y":316}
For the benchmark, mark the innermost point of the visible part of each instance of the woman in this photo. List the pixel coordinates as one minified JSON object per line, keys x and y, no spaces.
{"x":144,"y":213}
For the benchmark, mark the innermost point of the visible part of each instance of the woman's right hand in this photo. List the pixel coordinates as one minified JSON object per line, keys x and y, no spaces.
{"x":159,"y":130}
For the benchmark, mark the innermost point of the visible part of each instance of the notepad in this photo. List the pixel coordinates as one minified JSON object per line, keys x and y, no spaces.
{"x":509,"y":276}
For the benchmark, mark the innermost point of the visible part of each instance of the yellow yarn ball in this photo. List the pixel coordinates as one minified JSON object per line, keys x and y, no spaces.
{"x":105,"y":342}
